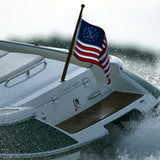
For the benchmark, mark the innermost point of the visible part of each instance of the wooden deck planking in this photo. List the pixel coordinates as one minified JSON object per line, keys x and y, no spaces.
{"x":111,"y":104}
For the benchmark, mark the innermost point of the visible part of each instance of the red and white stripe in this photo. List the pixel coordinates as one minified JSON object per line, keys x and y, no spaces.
{"x":94,"y":54}
{"x":104,"y":58}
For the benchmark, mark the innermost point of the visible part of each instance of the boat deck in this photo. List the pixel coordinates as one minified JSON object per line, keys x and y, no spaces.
{"x":111,"y":104}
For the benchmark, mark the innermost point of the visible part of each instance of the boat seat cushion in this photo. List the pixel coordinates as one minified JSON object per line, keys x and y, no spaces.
{"x":14,"y":63}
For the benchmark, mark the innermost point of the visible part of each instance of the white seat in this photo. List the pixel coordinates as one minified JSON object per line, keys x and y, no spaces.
{"x":14,"y":63}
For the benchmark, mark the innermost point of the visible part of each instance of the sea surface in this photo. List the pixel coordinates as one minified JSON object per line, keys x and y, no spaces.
{"x":138,"y":139}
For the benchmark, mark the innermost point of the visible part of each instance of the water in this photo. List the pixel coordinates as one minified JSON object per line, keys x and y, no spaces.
{"x":138,"y":140}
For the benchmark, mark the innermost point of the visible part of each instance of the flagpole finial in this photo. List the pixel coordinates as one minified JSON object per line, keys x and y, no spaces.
{"x":82,"y":5}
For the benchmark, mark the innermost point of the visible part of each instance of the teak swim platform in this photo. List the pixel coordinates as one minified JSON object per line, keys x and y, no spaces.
{"x":111,"y":104}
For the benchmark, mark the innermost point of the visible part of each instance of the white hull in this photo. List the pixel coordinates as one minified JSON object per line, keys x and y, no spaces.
{"x":36,"y":92}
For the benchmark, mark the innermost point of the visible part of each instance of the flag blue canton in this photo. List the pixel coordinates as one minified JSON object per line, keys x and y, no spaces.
{"x":91,"y":34}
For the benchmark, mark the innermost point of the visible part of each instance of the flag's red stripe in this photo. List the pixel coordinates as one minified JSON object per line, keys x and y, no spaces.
{"x":105,"y":40}
{"x":106,"y":66}
{"x":102,"y":61}
{"x":108,"y":75}
{"x":106,"y":71}
{"x":86,"y":59}
{"x":86,"y":54}
{"x":88,"y":48}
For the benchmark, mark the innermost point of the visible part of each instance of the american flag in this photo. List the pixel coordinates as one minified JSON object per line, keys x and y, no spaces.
{"x":91,"y":46}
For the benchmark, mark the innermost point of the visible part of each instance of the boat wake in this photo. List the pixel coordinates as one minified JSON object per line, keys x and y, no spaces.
{"x":142,"y":141}
{"x":139,"y":139}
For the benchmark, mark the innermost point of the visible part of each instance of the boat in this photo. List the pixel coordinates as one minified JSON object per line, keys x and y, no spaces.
{"x":42,"y":116}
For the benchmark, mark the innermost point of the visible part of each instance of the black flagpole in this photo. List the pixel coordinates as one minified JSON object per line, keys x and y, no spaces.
{"x":72,"y":45}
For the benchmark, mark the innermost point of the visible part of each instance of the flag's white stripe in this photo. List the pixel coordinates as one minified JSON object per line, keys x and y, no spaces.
{"x":86,"y":57}
{"x":106,"y":67}
{"x":103,"y":46}
{"x":105,"y":62}
{"x":88,"y":45}
{"x":87,"y":51}
{"x":103,"y":56}
{"x":108,"y":72}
